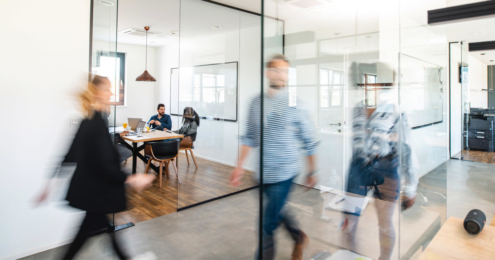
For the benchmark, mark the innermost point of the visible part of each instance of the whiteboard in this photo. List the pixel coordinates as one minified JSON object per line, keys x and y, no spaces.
{"x":421,"y":92}
{"x":210,"y":89}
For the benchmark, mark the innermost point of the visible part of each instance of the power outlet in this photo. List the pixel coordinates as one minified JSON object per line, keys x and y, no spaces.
{"x":74,"y":122}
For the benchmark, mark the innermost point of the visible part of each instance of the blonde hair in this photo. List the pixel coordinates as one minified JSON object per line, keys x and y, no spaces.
{"x":87,"y":96}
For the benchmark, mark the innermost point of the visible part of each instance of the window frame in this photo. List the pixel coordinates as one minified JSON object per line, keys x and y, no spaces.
{"x":331,"y":87}
{"x":122,"y":90}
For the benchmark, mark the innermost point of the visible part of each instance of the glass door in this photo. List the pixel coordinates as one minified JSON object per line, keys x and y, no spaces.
{"x":342,"y":66}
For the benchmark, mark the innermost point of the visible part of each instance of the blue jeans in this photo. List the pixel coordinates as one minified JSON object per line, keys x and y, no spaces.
{"x":276,"y":195}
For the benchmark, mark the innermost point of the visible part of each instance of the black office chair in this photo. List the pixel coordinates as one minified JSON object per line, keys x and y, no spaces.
{"x":164,"y":153}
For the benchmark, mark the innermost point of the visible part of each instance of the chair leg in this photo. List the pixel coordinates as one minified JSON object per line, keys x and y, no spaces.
{"x":148,"y":166}
{"x":161,"y":173}
{"x":194,"y":159}
{"x":187,"y":157}
{"x":166,"y":168}
{"x":176,"y":172}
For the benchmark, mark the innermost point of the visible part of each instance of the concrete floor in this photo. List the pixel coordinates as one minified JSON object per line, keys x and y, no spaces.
{"x":227,"y":228}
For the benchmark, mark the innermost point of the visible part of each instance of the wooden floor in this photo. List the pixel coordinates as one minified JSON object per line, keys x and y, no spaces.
{"x":211,"y":180}
{"x":479,"y":156}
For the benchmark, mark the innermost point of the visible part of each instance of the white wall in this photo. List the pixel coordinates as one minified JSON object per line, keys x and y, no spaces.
{"x":45,"y":54}
{"x":140,"y":95}
{"x":217,"y":140}
{"x":477,"y":82}
{"x":166,"y":58}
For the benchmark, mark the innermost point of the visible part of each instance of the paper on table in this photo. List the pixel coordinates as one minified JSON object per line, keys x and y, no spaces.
{"x":350,"y":204}
{"x":347,"y":255}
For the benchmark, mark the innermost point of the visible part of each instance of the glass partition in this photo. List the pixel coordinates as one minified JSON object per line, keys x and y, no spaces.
{"x":218,"y":72}
{"x":106,"y":62}
{"x":342,"y":75}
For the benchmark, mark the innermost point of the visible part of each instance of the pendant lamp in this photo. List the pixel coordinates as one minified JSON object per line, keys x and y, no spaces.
{"x":146,"y":76}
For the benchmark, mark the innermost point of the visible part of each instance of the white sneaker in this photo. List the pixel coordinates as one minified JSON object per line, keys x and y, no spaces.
{"x":146,"y":256}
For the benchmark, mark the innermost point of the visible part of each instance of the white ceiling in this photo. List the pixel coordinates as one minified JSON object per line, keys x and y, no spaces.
{"x":332,"y":19}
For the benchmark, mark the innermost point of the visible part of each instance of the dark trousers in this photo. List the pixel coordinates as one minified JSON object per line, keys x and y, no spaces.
{"x":276,"y":195}
{"x":92,"y":222}
{"x":386,"y":168}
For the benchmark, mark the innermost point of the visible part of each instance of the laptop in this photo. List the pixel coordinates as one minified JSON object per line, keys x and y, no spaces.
{"x":141,"y":125}
{"x":133,"y":122}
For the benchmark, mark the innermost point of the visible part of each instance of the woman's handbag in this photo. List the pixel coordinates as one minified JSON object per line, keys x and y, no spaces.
{"x":186,"y":142}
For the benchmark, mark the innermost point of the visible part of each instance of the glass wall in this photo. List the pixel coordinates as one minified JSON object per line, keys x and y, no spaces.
{"x":105,"y":60}
{"x":343,"y":114}
{"x":365,"y":105}
{"x":217,"y":77}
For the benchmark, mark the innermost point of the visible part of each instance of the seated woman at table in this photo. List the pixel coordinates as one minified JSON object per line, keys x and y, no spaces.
{"x":190,"y":124}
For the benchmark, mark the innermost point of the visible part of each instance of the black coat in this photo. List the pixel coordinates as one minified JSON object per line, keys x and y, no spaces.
{"x":98,"y":182}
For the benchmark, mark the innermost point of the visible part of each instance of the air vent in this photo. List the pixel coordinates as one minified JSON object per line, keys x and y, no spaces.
{"x":306,"y":4}
{"x":138,"y":32}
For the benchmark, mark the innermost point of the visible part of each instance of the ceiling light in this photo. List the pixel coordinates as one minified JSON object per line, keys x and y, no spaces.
{"x":146,"y":76}
{"x":174,"y":31}
{"x":482,"y":54}
{"x":106,"y":3}
{"x":216,"y":27}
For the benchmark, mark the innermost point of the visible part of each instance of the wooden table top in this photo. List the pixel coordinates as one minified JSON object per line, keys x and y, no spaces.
{"x":152,"y":136}
{"x":453,"y":242}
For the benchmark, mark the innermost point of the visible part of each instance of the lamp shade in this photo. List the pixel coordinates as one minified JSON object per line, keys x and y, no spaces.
{"x":146,"y":76}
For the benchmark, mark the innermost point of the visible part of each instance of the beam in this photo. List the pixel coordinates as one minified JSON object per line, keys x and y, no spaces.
{"x":461,"y":12}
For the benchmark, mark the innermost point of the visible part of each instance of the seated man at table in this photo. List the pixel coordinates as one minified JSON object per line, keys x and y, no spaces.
{"x":160,"y":121}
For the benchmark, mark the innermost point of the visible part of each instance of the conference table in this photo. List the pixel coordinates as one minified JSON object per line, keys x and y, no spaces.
{"x":146,"y":137}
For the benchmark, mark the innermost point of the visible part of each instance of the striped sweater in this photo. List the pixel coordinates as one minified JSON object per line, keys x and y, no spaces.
{"x":286,"y":131}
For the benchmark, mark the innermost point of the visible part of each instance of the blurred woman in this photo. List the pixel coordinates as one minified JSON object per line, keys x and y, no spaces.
{"x":98,"y":183}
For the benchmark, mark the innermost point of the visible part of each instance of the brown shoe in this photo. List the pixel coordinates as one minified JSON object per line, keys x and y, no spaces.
{"x":297,"y":253}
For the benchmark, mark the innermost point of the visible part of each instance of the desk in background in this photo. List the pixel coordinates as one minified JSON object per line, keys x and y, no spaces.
{"x":453,"y":242}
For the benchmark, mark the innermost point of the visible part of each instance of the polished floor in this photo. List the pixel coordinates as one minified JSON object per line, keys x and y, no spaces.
{"x":478,"y":156}
{"x":227,"y":228}
{"x":210,"y":180}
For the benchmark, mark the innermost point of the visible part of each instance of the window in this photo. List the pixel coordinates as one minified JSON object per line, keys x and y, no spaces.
{"x":112,"y":66}
{"x":209,"y":88}
{"x":331,"y":85}
{"x":370,"y":89}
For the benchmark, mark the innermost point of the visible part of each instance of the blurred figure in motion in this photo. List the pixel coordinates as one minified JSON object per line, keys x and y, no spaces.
{"x":382,"y":156}
{"x":284,"y":128}
{"x":98,"y":184}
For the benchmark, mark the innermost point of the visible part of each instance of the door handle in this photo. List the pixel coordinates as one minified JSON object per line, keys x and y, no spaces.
{"x":338,"y":124}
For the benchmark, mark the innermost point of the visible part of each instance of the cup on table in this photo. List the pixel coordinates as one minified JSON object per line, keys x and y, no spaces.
{"x":124,"y":125}
{"x":139,"y":132}
{"x":128,"y":128}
